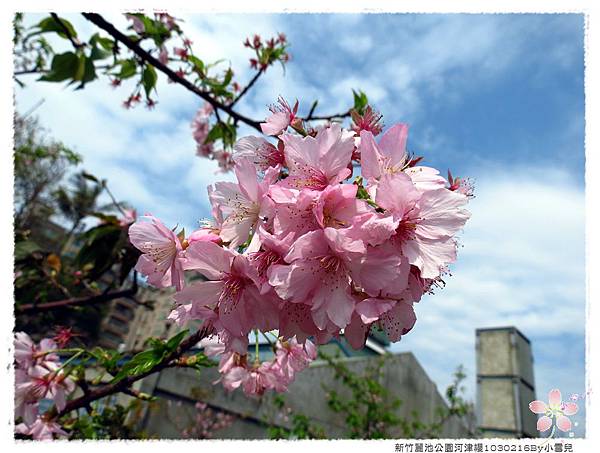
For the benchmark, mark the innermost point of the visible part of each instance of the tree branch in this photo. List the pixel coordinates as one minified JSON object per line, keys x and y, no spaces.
{"x":245,"y":90}
{"x":130,"y":292}
{"x":66,"y":31}
{"x":30,"y":71}
{"x":126,"y":383}
{"x":312,"y":117}
{"x":99,"y":21}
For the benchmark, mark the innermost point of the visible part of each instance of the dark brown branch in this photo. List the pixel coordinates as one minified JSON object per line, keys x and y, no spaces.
{"x":85,"y":388}
{"x":66,"y":31}
{"x":245,"y":90}
{"x":76,"y":301}
{"x":30,"y":71}
{"x":117,"y":205}
{"x":99,"y":21}
{"x":312,"y":117}
{"x":126,"y":383}
{"x":312,"y":110}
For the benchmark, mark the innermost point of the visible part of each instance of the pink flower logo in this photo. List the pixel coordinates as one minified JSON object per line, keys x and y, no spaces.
{"x":555,"y":408}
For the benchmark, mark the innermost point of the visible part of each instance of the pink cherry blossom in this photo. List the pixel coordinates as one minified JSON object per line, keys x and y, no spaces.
{"x":259,"y":151}
{"x":281,"y":117}
{"x":293,"y":210}
{"x":207,"y":233}
{"x":161,"y":253}
{"x":163,"y":55}
{"x":386,"y":157}
{"x":337,"y":206}
{"x":395,"y":318}
{"x":319,"y":275}
{"x":28,"y":411}
{"x":27,"y":353}
{"x":200,"y":125}
{"x":428,"y":222}
{"x":231,"y":291}
{"x":368,"y":121}
{"x":272,"y":251}
{"x":293,"y":357}
{"x":41,"y":429}
{"x":295,"y":320}
{"x":224,"y":159}
{"x":461,"y":185}
{"x":316,"y":162}
{"x":137,"y":23}
{"x":556,"y":409}
{"x":240,"y":204}
{"x":425,"y":178}
{"x":40,"y":382}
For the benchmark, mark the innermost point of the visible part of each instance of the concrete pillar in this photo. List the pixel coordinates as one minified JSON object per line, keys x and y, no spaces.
{"x":505,"y":383}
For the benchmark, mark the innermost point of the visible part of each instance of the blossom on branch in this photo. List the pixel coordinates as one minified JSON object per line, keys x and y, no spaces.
{"x":302,"y":253}
{"x":161,"y":253}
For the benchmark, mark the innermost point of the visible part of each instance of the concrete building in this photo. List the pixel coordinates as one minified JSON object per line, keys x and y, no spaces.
{"x":402,"y":375}
{"x":505,"y":383}
{"x":128,"y":324}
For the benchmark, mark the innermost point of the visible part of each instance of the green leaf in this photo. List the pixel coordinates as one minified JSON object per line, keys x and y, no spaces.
{"x":149,"y":78}
{"x":360,"y":101}
{"x":80,"y":72}
{"x":139,"y":363}
{"x":24,"y":249}
{"x":108,"y":358}
{"x":89,"y":72}
{"x":105,"y":43}
{"x":197,"y":62}
{"x":64,"y":66}
{"x":49,"y":24}
{"x":227,"y":78}
{"x":98,"y":53}
{"x":215,"y":133}
{"x":89,"y":176}
{"x":128,"y":69}
{"x":174,"y":342}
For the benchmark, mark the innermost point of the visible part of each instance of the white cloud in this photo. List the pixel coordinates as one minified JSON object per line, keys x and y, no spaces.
{"x":357,"y":45}
{"x":522,"y":264}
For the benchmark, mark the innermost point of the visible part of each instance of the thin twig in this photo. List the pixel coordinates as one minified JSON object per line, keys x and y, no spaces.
{"x":99,"y":21}
{"x":30,"y":71}
{"x":328,"y":117}
{"x":118,"y":206}
{"x":76,"y":301}
{"x":312,"y":110}
{"x":70,"y":37}
{"x":245,"y":90}
{"x":33,"y":109}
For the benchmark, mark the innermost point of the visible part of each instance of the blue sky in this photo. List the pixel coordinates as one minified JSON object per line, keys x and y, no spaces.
{"x":499,"y":98}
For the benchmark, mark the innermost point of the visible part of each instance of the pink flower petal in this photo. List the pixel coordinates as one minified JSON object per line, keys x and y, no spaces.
{"x":563,"y":423}
{"x":570,"y":408}
{"x":554,"y":398}
{"x":356,"y":333}
{"x":544,"y":423}
{"x":538,"y":407}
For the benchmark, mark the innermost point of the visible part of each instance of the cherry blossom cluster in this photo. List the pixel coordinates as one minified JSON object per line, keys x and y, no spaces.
{"x":303,"y":245}
{"x":267,"y":52}
{"x":39,"y":376}
{"x":254,"y":378}
{"x":206,"y":421}
{"x":200,"y":129}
